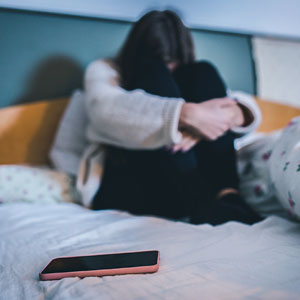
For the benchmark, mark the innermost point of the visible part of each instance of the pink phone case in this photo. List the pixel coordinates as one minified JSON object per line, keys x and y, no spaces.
{"x":102,"y":272}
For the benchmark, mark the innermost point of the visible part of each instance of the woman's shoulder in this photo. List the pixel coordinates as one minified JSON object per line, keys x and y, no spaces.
{"x":102,"y":69}
{"x":102,"y":63}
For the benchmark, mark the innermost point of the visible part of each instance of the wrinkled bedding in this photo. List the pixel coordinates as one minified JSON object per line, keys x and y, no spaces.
{"x":230,"y":261}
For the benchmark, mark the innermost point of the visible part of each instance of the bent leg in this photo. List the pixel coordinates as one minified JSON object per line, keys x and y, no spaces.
{"x":159,"y":172}
{"x":149,"y":181}
{"x":200,"y":82}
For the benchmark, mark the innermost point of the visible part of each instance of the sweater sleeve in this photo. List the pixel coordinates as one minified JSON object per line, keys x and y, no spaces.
{"x":131,"y":119}
{"x":249,"y":102}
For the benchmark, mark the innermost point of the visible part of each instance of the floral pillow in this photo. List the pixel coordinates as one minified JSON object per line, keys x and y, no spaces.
{"x":285,"y":168}
{"x":32,"y":184}
{"x":256,"y":185}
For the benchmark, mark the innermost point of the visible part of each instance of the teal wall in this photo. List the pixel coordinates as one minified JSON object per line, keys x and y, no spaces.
{"x":44,"y":55}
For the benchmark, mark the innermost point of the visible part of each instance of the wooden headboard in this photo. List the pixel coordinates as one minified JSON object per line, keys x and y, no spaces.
{"x":275,"y":116}
{"x":27,"y":131}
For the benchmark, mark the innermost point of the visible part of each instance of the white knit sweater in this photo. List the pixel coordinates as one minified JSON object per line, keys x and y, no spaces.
{"x":130,"y":119}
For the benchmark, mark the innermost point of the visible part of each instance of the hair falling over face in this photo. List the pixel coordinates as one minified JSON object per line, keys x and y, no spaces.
{"x":159,"y":35}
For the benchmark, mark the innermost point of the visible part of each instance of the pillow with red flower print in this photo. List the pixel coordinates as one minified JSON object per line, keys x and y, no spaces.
{"x":256,"y":186}
{"x":285,"y":168}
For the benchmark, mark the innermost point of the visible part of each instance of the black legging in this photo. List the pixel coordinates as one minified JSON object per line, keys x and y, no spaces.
{"x":159,"y":182}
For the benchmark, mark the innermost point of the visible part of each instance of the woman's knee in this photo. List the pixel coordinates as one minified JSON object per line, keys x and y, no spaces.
{"x":200,"y":81}
{"x":198,"y":69}
{"x":153,"y":76}
{"x":150,"y":67}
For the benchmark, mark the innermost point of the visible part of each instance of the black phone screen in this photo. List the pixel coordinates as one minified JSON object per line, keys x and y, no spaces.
{"x":103,"y":261}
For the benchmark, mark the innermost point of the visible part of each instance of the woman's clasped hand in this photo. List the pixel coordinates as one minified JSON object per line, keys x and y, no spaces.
{"x":207,"y":120}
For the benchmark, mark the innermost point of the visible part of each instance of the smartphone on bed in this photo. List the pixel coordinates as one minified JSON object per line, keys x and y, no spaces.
{"x":101,"y":265}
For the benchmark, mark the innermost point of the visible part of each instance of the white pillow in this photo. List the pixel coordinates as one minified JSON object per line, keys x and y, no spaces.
{"x":285,"y":168}
{"x":256,"y":186}
{"x":33,"y":184}
{"x":70,"y":141}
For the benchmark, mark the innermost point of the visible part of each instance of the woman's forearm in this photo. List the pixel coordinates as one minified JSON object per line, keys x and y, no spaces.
{"x":208,"y":119}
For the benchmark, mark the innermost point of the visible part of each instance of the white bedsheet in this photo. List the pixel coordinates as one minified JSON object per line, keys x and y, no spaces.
{"x":231,"y":261}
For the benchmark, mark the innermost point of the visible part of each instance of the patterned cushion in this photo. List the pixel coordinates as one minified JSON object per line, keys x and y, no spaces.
{"x":256,"y":186}
{"x":31,"y":184}
{"x":285,"y":168}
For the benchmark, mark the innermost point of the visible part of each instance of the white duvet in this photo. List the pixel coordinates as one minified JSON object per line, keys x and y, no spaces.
{"x":231,"y":261}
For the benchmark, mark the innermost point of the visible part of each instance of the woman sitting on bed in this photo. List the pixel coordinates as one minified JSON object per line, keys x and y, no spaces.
{"x":168,"y":127}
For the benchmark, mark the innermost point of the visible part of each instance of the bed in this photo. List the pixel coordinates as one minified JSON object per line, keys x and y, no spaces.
{"x":230,"y":261}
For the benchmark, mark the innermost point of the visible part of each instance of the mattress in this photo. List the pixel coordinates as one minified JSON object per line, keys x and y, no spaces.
{"x":229,"y":261}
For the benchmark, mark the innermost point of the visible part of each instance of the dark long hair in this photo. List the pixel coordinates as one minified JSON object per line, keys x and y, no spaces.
{"x":158,"y":34}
